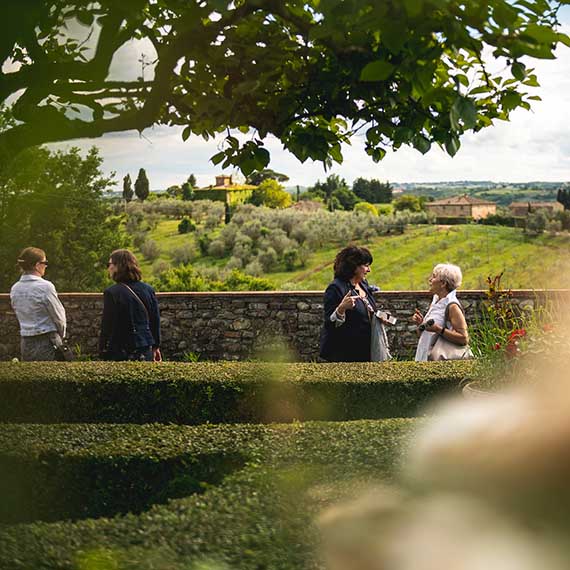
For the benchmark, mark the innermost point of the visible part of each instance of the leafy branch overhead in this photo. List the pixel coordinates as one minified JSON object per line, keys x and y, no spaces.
{"x":310,"y":72}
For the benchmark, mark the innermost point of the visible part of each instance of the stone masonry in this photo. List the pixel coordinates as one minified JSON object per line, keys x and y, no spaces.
{"x":247,"y":325}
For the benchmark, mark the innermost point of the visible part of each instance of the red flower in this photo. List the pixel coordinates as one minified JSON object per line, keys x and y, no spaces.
{"x":497,"y":346}
{"x":512,"y":347}
{"x":517,"y":333}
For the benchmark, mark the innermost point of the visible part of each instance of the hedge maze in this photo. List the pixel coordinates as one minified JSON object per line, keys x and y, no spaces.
{"x":205,"y":465}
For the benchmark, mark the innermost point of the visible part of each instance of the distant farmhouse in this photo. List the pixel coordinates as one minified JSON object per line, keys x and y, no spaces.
{"x":225,"y":191}
{"x":521,"y":209}
{"x":462,"y":207}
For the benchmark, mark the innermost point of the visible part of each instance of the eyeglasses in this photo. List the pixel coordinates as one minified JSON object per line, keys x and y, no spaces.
{"x":43,"y":263}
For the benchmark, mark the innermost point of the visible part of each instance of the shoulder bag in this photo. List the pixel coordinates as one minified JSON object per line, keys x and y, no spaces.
{"x":63,"y":352}
{"x":444,"y":349}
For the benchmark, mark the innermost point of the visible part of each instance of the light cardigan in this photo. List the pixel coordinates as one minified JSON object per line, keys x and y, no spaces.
{"x":36,"y":304}
{"x":436,"y":312}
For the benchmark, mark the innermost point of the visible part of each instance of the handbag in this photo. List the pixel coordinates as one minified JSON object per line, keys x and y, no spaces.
{"x":63,"y":352}
{"x":443,"y":349}
{"x":379,"y":349}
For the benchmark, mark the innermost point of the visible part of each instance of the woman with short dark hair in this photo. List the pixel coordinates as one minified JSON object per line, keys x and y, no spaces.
{"x":130,"y":328}
{"x":349,"y":306}
{"x":39,"y":311}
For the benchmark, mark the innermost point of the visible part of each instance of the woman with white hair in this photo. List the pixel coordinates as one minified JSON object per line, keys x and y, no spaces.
{"x":444,"y":317}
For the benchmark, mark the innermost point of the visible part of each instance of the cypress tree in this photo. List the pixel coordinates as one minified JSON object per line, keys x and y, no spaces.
{"x":127,"y":188}
{"x":142,"y":186}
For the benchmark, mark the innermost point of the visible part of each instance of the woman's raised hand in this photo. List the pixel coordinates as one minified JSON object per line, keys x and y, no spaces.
{"x":347,"y":303}
{"x":417,"y":317}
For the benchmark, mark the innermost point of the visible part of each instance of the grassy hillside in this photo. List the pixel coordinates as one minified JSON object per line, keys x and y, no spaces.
{"x":405,"y":261}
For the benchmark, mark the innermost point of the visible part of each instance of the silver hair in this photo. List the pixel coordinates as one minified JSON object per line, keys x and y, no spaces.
{"x":450,"y":274}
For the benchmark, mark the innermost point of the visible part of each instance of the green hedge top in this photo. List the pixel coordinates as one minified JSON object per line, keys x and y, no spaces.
{"x":229,"y":490}
{"x":307,"y":441}
{"x":233,"y":371}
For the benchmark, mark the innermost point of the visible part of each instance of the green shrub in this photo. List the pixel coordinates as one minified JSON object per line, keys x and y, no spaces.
{"x":186,"y":225}
{"x":221,"y":392}
{"x":366,"y":207}
{"x":258,"y":516}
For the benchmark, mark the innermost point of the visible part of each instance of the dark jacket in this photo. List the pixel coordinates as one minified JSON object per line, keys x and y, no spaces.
{"x":349,"y":342}
{"x":125,"y":327}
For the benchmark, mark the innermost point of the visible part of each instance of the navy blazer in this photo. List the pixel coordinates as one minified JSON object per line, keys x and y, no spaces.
{"x":125,"y":326}
{"x":349,"y":342}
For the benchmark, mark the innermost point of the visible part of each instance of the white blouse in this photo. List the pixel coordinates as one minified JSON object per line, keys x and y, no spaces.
{"x":436,"y":312}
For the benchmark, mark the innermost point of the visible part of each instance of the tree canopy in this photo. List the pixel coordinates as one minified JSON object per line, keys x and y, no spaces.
{"x":257,"y":177}
{"x":271,"y":194}
{"x":372,"y":190}
{"x":54,"y":200}
{"x":310,"y":72}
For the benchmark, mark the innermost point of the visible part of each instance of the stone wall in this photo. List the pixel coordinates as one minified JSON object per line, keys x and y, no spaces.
{"x":237,"y":326}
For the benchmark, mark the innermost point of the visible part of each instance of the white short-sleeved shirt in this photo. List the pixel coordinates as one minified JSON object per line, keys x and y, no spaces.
{"x":35,"y":302}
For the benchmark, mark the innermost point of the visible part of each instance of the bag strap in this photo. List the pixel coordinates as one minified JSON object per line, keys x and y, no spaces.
{"x":436,"y":337}
{"x":139,"y":300}
{"x":446,"y":316}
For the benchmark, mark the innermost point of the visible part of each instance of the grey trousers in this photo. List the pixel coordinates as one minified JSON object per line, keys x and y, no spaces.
{"x":39,"y":347}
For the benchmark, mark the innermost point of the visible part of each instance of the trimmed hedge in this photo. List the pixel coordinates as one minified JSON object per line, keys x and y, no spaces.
{"x":240,"y":392}
{"x":258,"y":517}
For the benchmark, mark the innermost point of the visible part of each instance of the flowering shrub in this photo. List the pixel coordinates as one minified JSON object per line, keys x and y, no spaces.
{"x":505,"y":329}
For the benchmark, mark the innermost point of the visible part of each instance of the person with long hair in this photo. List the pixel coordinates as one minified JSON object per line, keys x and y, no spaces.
{"x":130,"y":328}
{"x":349,"y":306}
{"x":39,"y":311}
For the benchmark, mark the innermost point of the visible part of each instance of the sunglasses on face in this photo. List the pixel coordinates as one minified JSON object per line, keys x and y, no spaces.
{"x":43,"y":263}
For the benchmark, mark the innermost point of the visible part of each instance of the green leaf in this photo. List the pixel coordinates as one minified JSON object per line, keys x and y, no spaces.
{"x":504,"y":15}
{"x":421,"y":143}
{"x":232,"y":142}
{"x":452,"y":145}
{"x":413,"y":7}
{"x":336,"y":153}
{"x":479,"y":90}
{"x":518,"y":70}
{"x":186,"y":133}
{"x":217,"y":158}
{"x":542,"y":34}
{"x":531,"y":81}
{"x":464,"y":109}
{"x":563,"y":38}
{"x":377,"y":153}
{"x":510,"y":100}
{"x":377,"y":71}
{"x":262,"y":157}
{"x":85,"y":18}
{"x":462,"y":79}
{"x":394,"y":35}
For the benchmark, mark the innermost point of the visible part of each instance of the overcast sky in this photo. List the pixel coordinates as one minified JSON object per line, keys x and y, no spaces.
{"x":534,"y":145}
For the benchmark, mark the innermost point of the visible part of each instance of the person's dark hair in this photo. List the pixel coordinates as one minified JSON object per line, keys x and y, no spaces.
{"x":29,"y":257}
{"x":126,"y":266}
{"x":348,"y":259}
